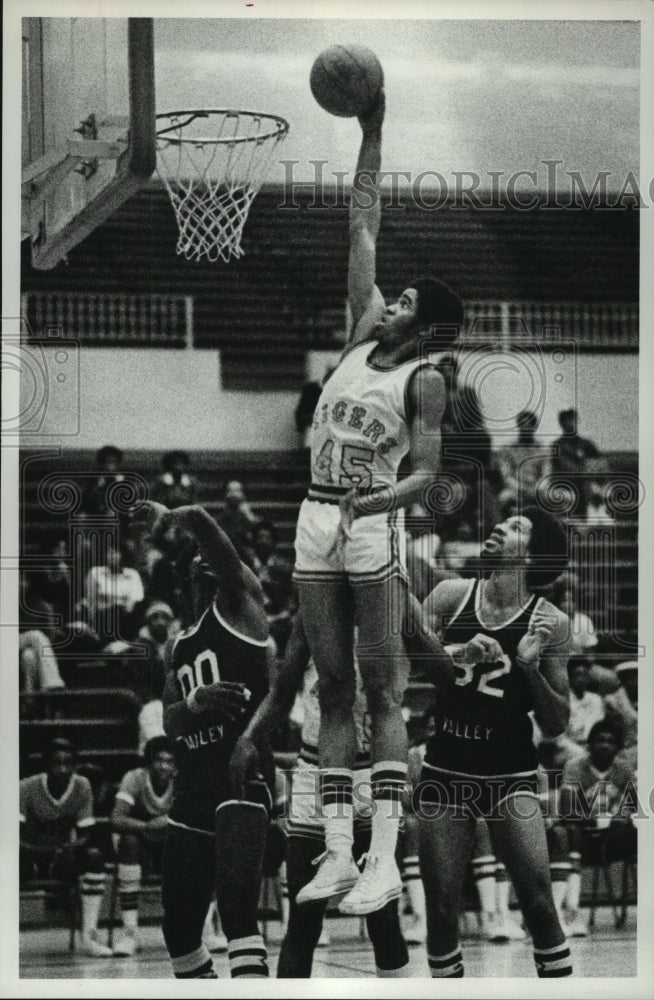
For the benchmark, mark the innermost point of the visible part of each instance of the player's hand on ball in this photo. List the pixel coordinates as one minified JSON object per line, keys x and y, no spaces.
{"x":226,"y":699}
{"x":374,"y":115}
{"x":482,"y":649}
{"x":538,"y":635}
{"x":243,"y":763}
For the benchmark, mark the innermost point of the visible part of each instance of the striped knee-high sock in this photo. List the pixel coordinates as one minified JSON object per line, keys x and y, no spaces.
{"x":553,"y":963}
{"x":129,"y":884}
{"x":448,"y":966}
{"x":248,"y":958}
{"x":559,"y":874}
{"x":337,"y":809}
{"x":413,"y":885}
{"x":483,"y":874}
{"x":195,"y":965}
{"x":388,"y":780}
{"x":92,"y":886}
{"x":574,"y":881}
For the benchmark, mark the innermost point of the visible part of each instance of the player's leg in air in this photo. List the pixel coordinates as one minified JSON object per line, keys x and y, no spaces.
{"x":328,"y":619}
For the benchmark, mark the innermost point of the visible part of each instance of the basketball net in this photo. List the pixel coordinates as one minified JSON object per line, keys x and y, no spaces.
{"x":212,"y":179}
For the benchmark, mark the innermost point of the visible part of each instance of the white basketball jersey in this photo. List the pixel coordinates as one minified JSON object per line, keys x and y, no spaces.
{"x":360,"y":432}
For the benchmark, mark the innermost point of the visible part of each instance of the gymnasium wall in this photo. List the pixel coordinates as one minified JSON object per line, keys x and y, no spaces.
{"x":162,"y":399}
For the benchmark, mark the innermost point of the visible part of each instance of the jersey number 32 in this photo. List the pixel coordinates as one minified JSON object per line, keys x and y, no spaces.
{"x":486,"y":678}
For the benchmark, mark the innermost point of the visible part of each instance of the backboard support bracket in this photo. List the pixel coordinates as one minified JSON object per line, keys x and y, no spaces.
{"x":99,"y":188}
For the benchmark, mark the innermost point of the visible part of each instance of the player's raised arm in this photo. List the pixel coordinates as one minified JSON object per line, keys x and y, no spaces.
{"x":215,"y":546}
{"x":365,"y":301}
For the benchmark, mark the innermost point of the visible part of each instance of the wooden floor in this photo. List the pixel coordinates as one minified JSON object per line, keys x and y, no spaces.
{"x":606,"y":952}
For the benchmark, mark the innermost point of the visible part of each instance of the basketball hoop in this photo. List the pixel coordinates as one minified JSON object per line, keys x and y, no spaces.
{"x":212,"y":179}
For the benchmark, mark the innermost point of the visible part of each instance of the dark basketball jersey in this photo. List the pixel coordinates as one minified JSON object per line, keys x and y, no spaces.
{"x":207,"y":652}
{"x":483,"y":726}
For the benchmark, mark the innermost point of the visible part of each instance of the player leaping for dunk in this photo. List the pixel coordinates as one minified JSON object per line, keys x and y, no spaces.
{"x":383,"y":401}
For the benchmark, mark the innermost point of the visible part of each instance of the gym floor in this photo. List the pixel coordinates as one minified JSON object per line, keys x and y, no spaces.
{"x":606,"y":952}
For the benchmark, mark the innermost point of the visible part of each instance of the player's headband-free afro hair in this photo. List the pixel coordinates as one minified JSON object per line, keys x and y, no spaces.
{"x":438,"y":305}
{"x":548,"y":547}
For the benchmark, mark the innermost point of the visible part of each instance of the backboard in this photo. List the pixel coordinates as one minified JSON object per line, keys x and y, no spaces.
{"x":88,"y":125}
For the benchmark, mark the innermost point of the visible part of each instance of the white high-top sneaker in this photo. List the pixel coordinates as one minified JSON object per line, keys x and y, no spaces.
{"x":336,"y":873}
{"x":379,"y":882}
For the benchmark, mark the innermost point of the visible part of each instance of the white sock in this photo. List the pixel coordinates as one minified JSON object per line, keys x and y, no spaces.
{"x":574,"y":890}
{"x":337,"y":809}
{"x":559,"y":890}
{"x":483,"y":873}
{"x":388,"y":780}
{"x":92,"y":888}
{"x":211,"y":918}
{"x":502,"y":887}
{"x":129,"y":884}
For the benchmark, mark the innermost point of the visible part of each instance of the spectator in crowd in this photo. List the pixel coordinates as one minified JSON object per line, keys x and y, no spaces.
{"x":305,"y":410}
{"x":55,"y":584}
{"x":593,"y":818}
{"x":467,"y":454}
{"x":113,"y":590}
{"x":583,"y":637}
{"x":108,"y":461}
{"x":621,"y":706}
{"x":264,"y":544}
{"x":56,"y":836}
{"x":140,"y":816}
{"x":586,"y":708}
{"x":160,"y":627}
{"x":37,"y":663}
{"x":522,"y":465}
{"x":176,"y":485}
{"x":280,"y":601}
{"x":576,"y":459}
{"x":238,"y":521}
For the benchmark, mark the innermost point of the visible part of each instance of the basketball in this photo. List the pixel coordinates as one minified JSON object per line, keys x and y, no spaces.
{"x":345,"y":79}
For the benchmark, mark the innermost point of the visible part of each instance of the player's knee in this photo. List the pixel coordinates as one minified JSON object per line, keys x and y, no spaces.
{"x":336,"y":692}
{"x":383,"y":693}
{"x":129,"y":849}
